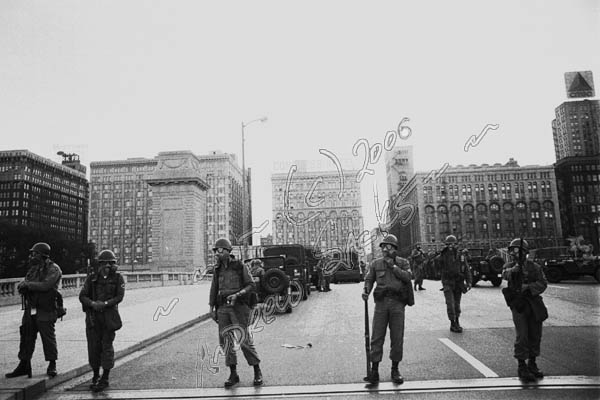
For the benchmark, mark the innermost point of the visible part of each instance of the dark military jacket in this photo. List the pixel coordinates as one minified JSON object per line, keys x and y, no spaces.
{"x":396,"y":278}
{"x":42,"y":284}
{"x":228,"y":279}
{"x":454,"y":269}
{"x":530,"y":283}
{"x":109,"y":290}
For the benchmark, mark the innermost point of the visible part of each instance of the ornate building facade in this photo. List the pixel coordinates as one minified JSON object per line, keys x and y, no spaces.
{"x":483,"y":206}
{"x":125,"y":215}
{"x":320,"y":209}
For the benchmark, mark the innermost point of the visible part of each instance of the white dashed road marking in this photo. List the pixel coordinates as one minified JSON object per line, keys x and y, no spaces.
{"x":478,"y":365}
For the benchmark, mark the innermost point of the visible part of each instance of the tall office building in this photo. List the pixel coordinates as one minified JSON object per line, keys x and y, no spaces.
{"x":576,"y":132}
{"x":484,"y":206}
{"x":43,"y":195}
{"x":399,"y":168}
{"x":320,"y":209}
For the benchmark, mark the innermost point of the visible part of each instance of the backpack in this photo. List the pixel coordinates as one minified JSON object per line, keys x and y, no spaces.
{"x":61,"y":310}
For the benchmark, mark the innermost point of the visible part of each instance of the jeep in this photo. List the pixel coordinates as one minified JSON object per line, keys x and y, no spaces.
{"x":559,"y":263}
{"x":296,"y":263}
{"x":484,"y":268}
{"x":278,"y":280}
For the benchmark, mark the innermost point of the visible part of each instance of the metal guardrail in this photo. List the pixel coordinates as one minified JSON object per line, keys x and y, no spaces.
{"x":70,"y":285}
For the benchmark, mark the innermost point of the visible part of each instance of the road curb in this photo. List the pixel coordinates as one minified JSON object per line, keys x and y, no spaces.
{"x":39,"y":386}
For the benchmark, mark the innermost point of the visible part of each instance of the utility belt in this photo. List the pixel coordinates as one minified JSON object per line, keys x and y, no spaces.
{"x":380,"y":294}
{"x":223,"y":294}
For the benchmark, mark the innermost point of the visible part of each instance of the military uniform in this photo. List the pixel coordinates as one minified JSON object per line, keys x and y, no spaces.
{"x":530,"y":312}
{"x":391,"y":277}
{"x":231,"y":278}
{"x":418,"y":259}
{"x":100,"y":325}
{"x":456,"y":280}
{"x":40,"y":311}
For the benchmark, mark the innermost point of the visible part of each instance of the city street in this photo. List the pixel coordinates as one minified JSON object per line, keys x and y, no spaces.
{"x":319,"y":348}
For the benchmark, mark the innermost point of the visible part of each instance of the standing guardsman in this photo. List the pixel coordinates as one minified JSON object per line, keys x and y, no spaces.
{"x":526,"y":281}
{"x":229,"y":292}
{"x":456,"y":280}
{"x":39,"y":291}
{"x":392,"y":293}
{"x":102,"y":291}
{"x":418,"y":259}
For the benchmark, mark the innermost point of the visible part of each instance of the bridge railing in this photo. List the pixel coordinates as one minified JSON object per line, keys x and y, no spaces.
{"x":70,"y":285}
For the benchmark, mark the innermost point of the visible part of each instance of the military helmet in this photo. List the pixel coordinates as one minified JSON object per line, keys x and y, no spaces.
{"x":450,"y":239}
{"x":107,"y":256}
{"x":390,"y":239}
{"x":517,"y":243}
{"x":224,"y":243}
{"x":42,"y":248}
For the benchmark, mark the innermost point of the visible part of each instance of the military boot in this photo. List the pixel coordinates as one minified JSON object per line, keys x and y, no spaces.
{"x":373,"y":377}
{"x":258,"y":379}
{"x":51,"y":370}
{"x":232,"y":380}
{"x":453,"y":327}
{"x":533,"y":368}
{"x":459,"y":328}
{"x":524,"y":373}
{"x":101,"y":385}
{"x":396,"y":377}
{"x":24,"y":368}
{"x":95,"y":379}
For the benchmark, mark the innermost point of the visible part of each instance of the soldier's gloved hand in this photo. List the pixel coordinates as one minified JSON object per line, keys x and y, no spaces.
{"x":365,"y":296}
{"x":97,"y":305}
{"x":213,"y":314}
{"x":468,"y":287}
{"x":22,"y":287}
{"x":231,"y":298}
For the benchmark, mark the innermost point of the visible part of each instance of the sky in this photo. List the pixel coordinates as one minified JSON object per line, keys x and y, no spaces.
{"x":110,"y":80}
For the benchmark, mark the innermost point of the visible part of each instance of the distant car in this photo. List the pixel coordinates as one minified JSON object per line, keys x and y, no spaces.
{"x":559,"y":264}
{"x":344,"y":272}
{"x":484,"y":268}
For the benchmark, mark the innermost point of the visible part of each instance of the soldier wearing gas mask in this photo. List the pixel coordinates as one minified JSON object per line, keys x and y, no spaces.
{"x":392,"y":293}
{"x":39,"y":291}
{"x":526,"y":281}
{"x":101,"y":293}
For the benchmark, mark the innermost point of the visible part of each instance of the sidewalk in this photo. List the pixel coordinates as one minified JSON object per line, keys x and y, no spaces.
{"x":144,"y":322}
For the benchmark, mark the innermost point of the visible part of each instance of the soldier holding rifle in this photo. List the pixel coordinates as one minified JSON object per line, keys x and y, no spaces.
{"x":39,"y":293}
{"x":392,"y":293}
{"x":526,"y":281}
{"x":102,"y":291}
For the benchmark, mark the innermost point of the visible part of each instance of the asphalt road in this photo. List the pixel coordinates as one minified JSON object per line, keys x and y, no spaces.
{"x":322,"y":343}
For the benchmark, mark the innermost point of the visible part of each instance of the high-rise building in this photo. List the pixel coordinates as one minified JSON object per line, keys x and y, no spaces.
{"x":126,"y":183}
{"x":43,"y":195}
{"x":399,"y":168}
{"x":576,"y":132}
{"x":320,"y":209}
{"x":485,"y":205}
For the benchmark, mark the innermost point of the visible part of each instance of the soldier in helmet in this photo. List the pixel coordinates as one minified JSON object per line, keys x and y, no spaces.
{"x":456,"y":280}
{"x":102,"y":291}
{"x":526,"y":281}
{"x":393,"y":278}
{"x":39,"y":291}
{"x":229,"y":292}
{"x":418,"y":259}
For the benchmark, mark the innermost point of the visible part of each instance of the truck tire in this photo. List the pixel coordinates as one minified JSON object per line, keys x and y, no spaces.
{"x":554,"y":274}
{"x":497,"y":281}
{"x":597,"y":274}
{"x":275,"y":281}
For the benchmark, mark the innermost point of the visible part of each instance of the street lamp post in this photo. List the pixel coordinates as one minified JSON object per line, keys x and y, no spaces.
{"x":244,"y":177}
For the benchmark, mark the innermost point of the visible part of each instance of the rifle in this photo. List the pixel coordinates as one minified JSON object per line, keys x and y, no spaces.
{"x":367,"y":338}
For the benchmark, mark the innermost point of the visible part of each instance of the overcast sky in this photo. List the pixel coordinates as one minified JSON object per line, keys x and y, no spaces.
{"x":118,"y":79}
